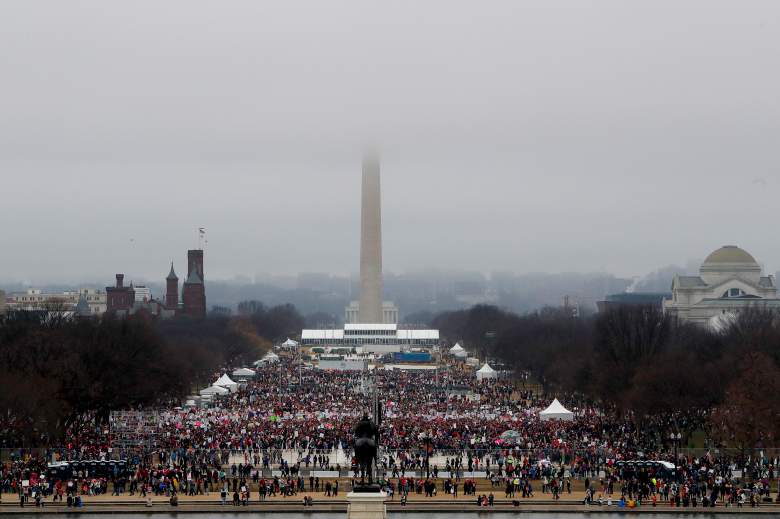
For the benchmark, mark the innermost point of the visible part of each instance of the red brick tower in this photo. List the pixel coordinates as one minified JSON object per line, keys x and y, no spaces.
{"x":119,"y":298}
{"x":193,"y":294}
{"x":195,"y":262}
{"x":172,"y":290}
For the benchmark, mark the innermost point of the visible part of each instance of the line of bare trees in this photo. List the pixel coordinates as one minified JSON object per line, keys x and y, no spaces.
{"x":58,"y":373}
{"x":635,"y":361}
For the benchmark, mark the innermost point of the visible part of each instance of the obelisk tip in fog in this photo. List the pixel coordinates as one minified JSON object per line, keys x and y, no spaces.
{"x":371,"y":242}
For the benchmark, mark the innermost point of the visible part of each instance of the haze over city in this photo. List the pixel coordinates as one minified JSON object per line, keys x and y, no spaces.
{"x":527,"y":137}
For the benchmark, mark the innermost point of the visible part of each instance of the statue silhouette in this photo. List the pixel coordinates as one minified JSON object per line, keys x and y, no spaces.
{"x":366,"y":443}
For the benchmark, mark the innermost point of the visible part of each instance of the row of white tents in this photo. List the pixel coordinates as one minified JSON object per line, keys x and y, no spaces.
{"x":225,"y":385}
{"x":484,"y":373}
{"x":222,"y":386}
{"x":555,"y":411}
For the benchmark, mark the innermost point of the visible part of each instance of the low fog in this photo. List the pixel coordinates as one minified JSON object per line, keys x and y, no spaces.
{"x":544,"y":136}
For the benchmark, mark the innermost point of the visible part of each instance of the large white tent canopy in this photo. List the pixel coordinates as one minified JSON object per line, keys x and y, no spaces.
{"x":556,"y":411}
{"x":458,"y":351}
{"x":486,"y":372}
{"x":244,"y":373}
{"x":214,"y":390}
{"x":226,"y":382}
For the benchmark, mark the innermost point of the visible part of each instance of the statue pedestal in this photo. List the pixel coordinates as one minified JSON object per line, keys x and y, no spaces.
{"x":366,"y":505}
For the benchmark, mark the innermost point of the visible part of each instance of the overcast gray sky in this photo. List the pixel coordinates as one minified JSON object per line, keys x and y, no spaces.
{"x":526,"y":136}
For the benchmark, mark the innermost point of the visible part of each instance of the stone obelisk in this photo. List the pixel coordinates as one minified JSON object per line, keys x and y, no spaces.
{"x":371,"y":243}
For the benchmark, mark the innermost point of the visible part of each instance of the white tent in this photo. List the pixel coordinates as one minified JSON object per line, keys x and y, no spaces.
{"x":243,"y":373}
{"x":214,"y":390}
{"x":556,"y":411}
{"x":226,"y":382}
{"x":268,"y":358}
{"x":486,"y":372}
{"x":457,"y":348}
{"x":290,"y":344}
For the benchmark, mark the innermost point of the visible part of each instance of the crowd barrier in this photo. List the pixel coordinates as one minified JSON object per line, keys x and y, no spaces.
{"x":483,"y":459}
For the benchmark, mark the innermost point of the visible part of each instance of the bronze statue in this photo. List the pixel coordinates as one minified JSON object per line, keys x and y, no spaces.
{"x":366,"y":444}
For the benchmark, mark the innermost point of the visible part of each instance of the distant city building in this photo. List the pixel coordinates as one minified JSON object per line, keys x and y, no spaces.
{"x":655,"y":299}
{"x":35,"y":299}
{"x":143,"y":294}
{"x":389,"y":313}
{"x":223,"y":311}
{"x":729,"y":281}
{"x":373,"y":338}
{"x":2,"y":302}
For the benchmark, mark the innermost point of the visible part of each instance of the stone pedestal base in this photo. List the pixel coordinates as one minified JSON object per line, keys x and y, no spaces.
{"x":366,"y":505}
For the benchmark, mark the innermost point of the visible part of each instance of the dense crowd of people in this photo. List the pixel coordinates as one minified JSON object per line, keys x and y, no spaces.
{"x":449,"y":409}
{"x":439,"y":431}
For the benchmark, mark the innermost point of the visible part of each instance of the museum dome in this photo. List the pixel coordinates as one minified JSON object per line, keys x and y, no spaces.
{"x":728,"y":262}
{"x":730,"y":254}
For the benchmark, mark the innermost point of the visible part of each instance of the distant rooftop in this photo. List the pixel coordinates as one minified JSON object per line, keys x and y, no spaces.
{"x":638,"y":297}
{"x":633,"y":299}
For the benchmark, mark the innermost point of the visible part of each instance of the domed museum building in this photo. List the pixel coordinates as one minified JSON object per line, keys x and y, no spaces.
{"x":729,"y":280}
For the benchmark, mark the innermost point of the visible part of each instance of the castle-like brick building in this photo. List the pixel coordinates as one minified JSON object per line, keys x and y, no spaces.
{"x":122,"y":300}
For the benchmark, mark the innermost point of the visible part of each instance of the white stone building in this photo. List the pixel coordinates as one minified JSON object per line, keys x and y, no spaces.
{"x":35,"y":299}
{"x":729,"y":280}
{"x":373,"y":338}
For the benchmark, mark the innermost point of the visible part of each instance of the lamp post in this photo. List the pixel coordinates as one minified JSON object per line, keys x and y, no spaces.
{"x":676,"y":439}
{"x":427,"y":443}
{"x":677,"y":445}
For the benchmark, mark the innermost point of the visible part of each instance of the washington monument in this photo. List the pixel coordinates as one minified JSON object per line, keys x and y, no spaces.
{"x":371,"y":243}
